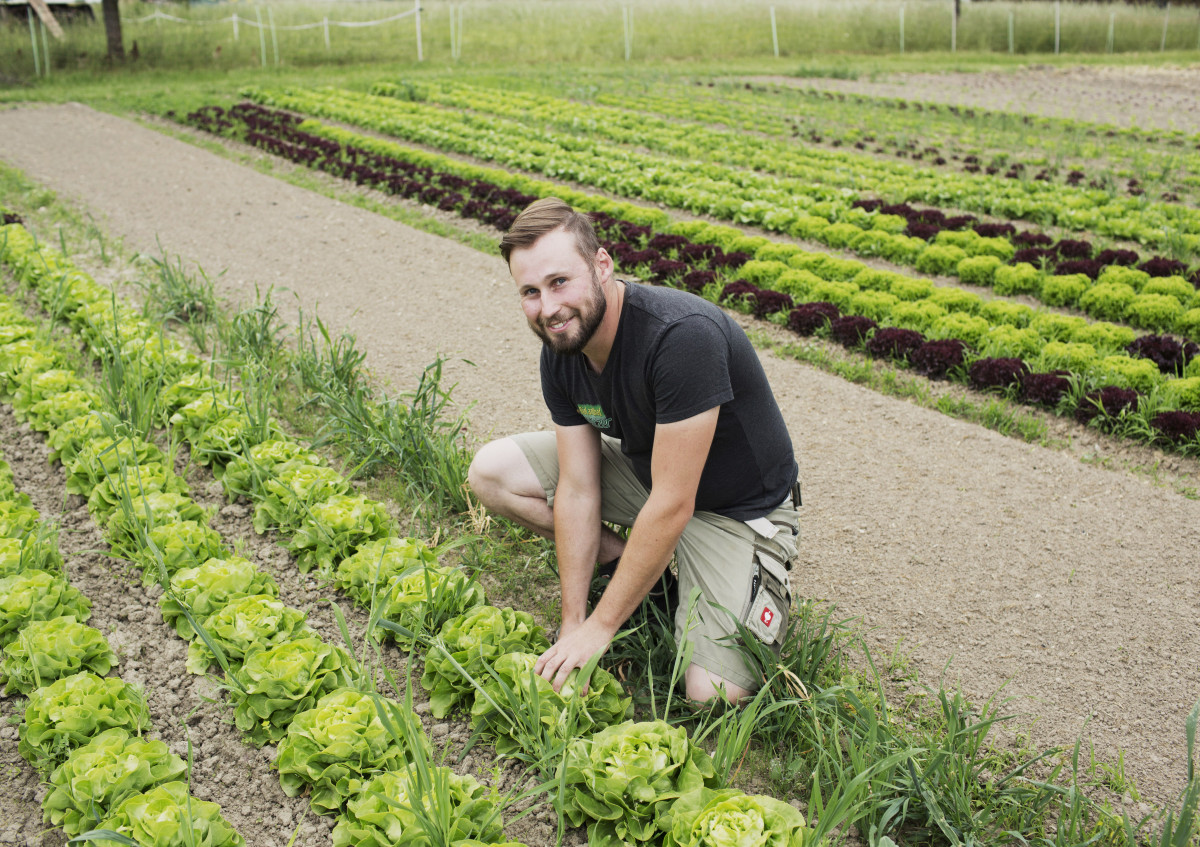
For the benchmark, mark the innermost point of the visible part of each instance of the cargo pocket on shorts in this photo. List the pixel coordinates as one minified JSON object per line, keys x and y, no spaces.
{"x":768,"y":606}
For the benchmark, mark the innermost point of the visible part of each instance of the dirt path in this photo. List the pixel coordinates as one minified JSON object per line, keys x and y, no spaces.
{"x":951,"y":541}
{"x":1149,"y":98}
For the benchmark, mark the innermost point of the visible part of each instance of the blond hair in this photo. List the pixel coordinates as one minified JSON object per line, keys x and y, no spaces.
{"x":547,"y":215}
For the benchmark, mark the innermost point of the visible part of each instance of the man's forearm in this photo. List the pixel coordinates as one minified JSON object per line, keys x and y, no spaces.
{"x":576,"y":544}
{"x":647,"y":553}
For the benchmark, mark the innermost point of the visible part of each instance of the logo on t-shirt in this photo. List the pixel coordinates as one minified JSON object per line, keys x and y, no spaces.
{"x":595,"y":415}
{"x":767,"y":615}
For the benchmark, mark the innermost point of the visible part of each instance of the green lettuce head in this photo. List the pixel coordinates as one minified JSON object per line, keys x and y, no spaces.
{"x":729,"y":818}
{"x":276,"y":683}
{"x":255,"y":621}
{"x":179,"y":545}
{"x":625,"y":777}
{"x":563,"y":715}
{"x":107,"y":497}
{"x":246,"y":475}
{"x":384,"y":813}
{"x":375,"y":564}
{"x":167,"y":817}
{"x":147,"y":511}
{"x":336,"y":746}
{"x":95,"y":778}
{"x":37,"y":596}
{"x":424,"y":598}
{"x":36,"y":551}
{"x":211,"y":587}
{"x":336,"y":528}
{"x":103,"y":455}
{"x":49,"y":414}
{"x":473,"y":641}
{"x":45,"y":651}
{"x":287,"y":497}
{"x":70,"y":712}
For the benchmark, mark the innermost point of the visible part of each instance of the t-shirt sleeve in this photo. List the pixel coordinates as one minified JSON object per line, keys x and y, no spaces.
{"x":562,"y":410}
{"x":690,"y":370}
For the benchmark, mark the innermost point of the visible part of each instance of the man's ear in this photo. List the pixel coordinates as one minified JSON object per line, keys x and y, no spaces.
{"x":603,"y":265}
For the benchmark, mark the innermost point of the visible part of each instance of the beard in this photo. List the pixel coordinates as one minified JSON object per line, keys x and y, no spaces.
{"x":588,"y":321}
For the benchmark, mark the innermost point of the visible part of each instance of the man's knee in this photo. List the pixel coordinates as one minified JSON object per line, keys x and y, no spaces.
{"x":703,"y":686}
{"x":500,"y":468}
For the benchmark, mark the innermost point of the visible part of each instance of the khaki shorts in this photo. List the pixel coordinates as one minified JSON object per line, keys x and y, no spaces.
{"x":730,"y":564}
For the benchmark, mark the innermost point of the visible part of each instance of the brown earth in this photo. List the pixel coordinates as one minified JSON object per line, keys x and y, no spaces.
{"x":1058,"y":571}
{"x":1149,"y":98}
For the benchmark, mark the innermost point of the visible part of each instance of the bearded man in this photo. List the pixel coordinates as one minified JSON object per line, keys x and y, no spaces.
{"x":665,"y":423}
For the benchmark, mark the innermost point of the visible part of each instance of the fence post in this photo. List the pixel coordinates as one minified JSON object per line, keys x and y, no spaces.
{"x":417,"y":9}
{"x":627,"y":20}
{"x":774,"y":33}
{"x":1112,"y":20}
{"x":37,"y":62}
{"x":458,"y":47}
{"x":328,"y":46}
{"x":1012,"y":41}
{"x":235,"y":26}
{"x":274,"y":37}
{"x":901,"y":27}
{"x":1166,"y":20}
{"x":1057,"y":24}
{"x":953,"y":28}
{"x":262,"y":36}
{"x":45,"y":50}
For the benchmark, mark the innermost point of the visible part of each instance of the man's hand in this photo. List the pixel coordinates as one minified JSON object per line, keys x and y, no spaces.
{"x":574,"y":649}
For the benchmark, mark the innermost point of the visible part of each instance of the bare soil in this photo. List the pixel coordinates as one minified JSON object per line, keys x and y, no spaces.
{"x":1061,"y":574}
{"x":1148,"y":98}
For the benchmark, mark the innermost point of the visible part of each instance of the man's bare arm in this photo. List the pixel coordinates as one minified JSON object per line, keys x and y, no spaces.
{"x":680,"y":451}
{"x":576,"y":518}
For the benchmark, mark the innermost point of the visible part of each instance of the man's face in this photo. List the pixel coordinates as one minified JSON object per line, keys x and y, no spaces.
{"x":561,"y":293}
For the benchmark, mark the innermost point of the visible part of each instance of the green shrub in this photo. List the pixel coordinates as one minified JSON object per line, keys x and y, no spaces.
{"x":957,"y":300}
{"x":876,"y":280}
{"x":1069,"y":356}
{"x":762,"y":273}
{"x":911,"y":288}
{"x":1107,"y":300}
{"x":1188,"y":324}
{"x":1021,"y":278}
{"x":918,"y":315}
{"x":1175,"y":286}
{"x":840,"y":234}
{"x":1125,"y":372}
{"x":876,"y":305}
{"x":968,"y":328}
{"x":797,"y":283}
{"x":1006,"y":312}
{"x":893,"y":224}
{"x":776,"y":252}
{"x":1006,"y":341}
{"x":1104,"y":336}
{"x":1064,"y":289}
{"x":828,"y":267}
{"x":979,"y":270}
{"x":1184,"y":392}
{"x":838,"y":293}
{"x":940,"y":261}
{"x":1157,"y":312}
{"x":1120,"y":275}
{"x":1055,"y":327}
{"x":999,"y":248}
{"x":808,"y":227}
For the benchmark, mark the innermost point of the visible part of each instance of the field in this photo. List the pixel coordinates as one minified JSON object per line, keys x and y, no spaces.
{"x":975,"y":296}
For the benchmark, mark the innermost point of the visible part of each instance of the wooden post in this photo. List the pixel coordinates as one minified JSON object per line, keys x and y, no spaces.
{"x":452,"y":44}
{"x":1112,"y":20}
{"x":1012,"y":41}
{"x":45,"y":50}
{"x":954,"y":29}
{"x":901,"y":27}
{"x":235,"y":26}
{"x":47,"y":17}
{"x":327,"y":45}
{"x":774,"y":33}
{"x":274,"y":37}
{"x":1166,"y":20}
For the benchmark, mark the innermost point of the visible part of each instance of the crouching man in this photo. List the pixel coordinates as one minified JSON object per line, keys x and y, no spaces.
{"x":664,"y":422}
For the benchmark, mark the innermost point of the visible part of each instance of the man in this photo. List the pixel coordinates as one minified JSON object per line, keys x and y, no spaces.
{"x":664,"y":422}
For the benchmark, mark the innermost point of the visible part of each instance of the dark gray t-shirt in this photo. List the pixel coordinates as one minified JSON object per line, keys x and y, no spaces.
{"x":676,"y":355}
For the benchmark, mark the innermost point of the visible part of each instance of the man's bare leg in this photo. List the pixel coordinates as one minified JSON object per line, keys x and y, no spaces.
{"x":703,"y":686}
{"x":505,"y":483}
